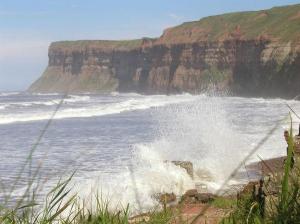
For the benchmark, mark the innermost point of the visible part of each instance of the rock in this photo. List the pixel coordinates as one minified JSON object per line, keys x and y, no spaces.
{"x":248,"y":188}
{"x":191,"y":193}
{"x":192,"y":196}
{"x":188,"y":166}
{"x":205,"y":197}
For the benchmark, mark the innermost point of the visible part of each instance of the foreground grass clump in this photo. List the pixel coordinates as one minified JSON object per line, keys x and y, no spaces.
{"x":224,"y":202}
{"x":282,"y":205}
{"x":102,"y":214}
{"x":63,"y":207}
{"x":60,"y":207}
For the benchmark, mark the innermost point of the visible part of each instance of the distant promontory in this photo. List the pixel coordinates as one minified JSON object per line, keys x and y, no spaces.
{"x":248,"y":53}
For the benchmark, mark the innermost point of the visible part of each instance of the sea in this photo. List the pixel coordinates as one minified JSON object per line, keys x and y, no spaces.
{"x":122,"y":144}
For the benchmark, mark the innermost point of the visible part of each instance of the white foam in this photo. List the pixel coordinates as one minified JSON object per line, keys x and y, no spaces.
{"x":96,"y":110}
{"x":146,"y":177}
{"x":201,"y":131}
{"x":114,"y":93}
{"x":75,"y":98}
{"x":197,"y":131}
{"x":3,"y":106}
{"x":9,"y":93}
{"x":46,"y":94}
{"x":30,"y":104}
{"x":71,"y":99}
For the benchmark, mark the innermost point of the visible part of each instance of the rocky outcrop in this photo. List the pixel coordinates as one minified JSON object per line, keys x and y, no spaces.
{"x":188,"y":166}
{"x":192,"y":196}
{"x":247,"y":53}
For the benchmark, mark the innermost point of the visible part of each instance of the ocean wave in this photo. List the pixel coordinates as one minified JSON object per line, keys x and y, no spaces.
{"x":70,"y":99}
{"x":199,"y":132}
{"x":46,"y":94}
{"x":132,"y":94}
{"x":75,"y":98}
{"x":114,"y":93}
{"x":152,"y":175}
{"x":29,"y":104}
{"x":9,"y":93}
{"x":3,"y":106}
{"x":97,"y":110}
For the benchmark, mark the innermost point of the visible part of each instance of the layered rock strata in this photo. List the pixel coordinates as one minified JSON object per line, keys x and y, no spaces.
{"x":250,"y":53}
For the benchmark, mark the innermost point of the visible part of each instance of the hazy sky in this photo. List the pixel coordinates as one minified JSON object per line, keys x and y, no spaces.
{"x":28,"y":26}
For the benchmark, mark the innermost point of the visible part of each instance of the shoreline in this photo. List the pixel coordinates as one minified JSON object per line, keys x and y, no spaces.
{"x":193,"y":202}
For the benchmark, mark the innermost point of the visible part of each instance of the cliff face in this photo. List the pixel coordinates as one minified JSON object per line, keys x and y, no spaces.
{"x":251,"y":53}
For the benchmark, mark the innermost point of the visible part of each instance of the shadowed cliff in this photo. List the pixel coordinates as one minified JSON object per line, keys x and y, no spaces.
{"x":247,"y":53}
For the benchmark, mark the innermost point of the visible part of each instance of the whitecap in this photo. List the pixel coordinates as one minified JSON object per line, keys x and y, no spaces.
{"x":9,"y":93}
{"x":96,"y":110}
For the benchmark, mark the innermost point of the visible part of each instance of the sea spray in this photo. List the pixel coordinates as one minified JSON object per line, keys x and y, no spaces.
{"x":198,"y":131}
{"x":122,"y":145}
{"x":201,"y":132}
{"x":145,"y":177}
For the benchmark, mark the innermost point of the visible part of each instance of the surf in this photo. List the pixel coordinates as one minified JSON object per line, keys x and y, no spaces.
{"x":91,"y":109}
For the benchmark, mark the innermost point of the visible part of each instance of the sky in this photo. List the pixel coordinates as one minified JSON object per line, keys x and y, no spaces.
{"x":27,"y":27}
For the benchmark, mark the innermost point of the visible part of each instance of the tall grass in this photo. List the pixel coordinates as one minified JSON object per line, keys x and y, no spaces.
{"x":64,"y":207}
{"x":282,"y":207}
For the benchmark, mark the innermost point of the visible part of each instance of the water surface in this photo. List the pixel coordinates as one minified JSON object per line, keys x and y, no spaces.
{"x":119,"y":142}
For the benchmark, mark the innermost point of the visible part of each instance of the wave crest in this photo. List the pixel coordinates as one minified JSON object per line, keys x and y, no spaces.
{"x":131,"y":104}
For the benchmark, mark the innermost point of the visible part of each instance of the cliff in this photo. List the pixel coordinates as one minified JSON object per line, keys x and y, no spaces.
{"x":247,"y":53}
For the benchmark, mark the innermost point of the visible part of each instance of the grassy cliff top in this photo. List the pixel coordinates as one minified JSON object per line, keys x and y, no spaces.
{"x":278,"y":23}
{"x":101,"y":44}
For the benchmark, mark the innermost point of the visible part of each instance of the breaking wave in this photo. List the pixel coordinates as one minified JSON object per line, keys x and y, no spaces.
{"x":200,"y":132}
{"x":3,"y":106}
{"x":204,"y":132}
{"x":92,"y":109}
{"x":214,"y":133}
{"x":146,"y":177}
{"x":70,"y":99}
{"x":46,"y":94}
{"x":9,"y":93}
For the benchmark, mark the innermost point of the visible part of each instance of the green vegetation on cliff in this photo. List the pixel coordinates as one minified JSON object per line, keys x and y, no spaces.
{"x":247,"y":53}
{"x":103,"y":44}
{"x":278,"y":23}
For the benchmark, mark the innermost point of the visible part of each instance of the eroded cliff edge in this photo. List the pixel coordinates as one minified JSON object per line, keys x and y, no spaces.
{"x":248,"y":53}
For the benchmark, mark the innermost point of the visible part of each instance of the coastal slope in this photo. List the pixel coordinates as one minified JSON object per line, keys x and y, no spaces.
{"x":247,"y":53}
